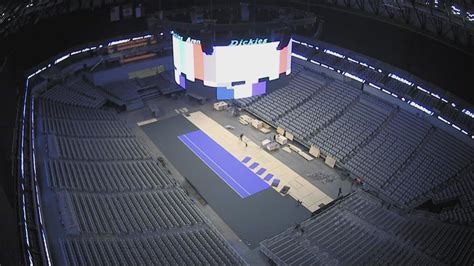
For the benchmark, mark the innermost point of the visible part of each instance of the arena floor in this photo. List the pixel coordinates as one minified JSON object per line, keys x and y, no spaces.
{"x":253,"y":218}
{"x":315,"y":172}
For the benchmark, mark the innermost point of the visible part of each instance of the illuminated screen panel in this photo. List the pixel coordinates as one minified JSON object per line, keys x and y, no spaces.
{"x":227,"y":65}
{"x":246,"y":63}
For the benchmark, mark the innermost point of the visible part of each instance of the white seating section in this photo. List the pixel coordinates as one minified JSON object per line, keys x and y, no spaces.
{"x":94,"y":149}
{"x":277,"y":103}
{"x":361,"y":231}
{"x":96,"y":129}
{"x":319,"y":110}
{"x":129,"y":213}
{"x":107,"y":176}
{"x":377,"y":162}
{"x":296,"y":68}
{"x":353,"y":128}
{"x":392,"y":150}
{"x":198,"y":247}
{"x":117,"y":204}
{"x":442,"y":158}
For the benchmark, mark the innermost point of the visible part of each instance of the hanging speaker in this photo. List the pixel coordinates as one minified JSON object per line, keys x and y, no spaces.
{"x":284,"y":39}
{"x":207,"y":43}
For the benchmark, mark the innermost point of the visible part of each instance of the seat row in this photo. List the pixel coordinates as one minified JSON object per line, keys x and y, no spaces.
{"x":98,"y":149}
{"x":136,"y":212}
{"x":61,"y":94}
{"x":199,"y":247}
{"x":51,"y":109}
{"x":80,"y":86}
{"x":107,"y":176}
{"x":463,"y":191}
{"x":97,"y":129}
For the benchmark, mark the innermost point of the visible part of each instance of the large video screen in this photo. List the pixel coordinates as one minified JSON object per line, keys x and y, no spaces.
{"x":238,"y":70}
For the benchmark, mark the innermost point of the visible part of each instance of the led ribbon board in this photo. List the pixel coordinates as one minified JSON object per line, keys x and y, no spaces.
{"x":244,"y":63}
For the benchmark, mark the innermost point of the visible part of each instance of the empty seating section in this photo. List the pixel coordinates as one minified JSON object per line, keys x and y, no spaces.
{"x":244,"y":102}
{"x":372,"y":75}
{"x":449,"y":244}
{"x":377,"y":162}
{"x":62,"y":94}
{"x":119,"y":206}
{"x":354,"y":127}
{"x":83,"y":87}
{"x":348,"y":66}
{"x":97,"y":149}
{"x":337,"y":237}
{"x":463,"y":191}
{"x":128,"y":213}
{"x":116,"y":203}
{"x":390,"y":149}
{"x":396,"y":86}
{"x":108,"y":176}
{"x":96,"y":129}
{"x":296,"y":68}
{"x":277,"y":103}
{"x":319,"y":110}
{"x":54,"y":110}
{"x":443,"y":157}
{"x":462,"y":214}
{"x":200,"y":247}
{"x":360,"y":231}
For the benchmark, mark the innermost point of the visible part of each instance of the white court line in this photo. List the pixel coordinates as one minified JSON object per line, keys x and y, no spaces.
{"x":225,"y":172}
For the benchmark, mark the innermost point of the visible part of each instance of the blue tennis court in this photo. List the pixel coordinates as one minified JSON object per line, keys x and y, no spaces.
{"x":233,"y":172}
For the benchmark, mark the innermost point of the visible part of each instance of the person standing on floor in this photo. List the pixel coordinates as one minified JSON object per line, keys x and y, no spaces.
{"x":339,"y":193}
{"x":242,"y":139}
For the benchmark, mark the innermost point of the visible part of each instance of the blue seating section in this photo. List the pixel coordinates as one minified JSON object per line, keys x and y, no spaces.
{"x":117,"y":204}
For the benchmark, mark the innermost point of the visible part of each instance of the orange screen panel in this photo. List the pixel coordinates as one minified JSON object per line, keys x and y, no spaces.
{"x":283,"y":59}
{"x":198,"y":62}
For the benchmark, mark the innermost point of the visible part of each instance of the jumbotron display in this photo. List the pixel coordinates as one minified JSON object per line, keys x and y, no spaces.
{"x":238,"y":70}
